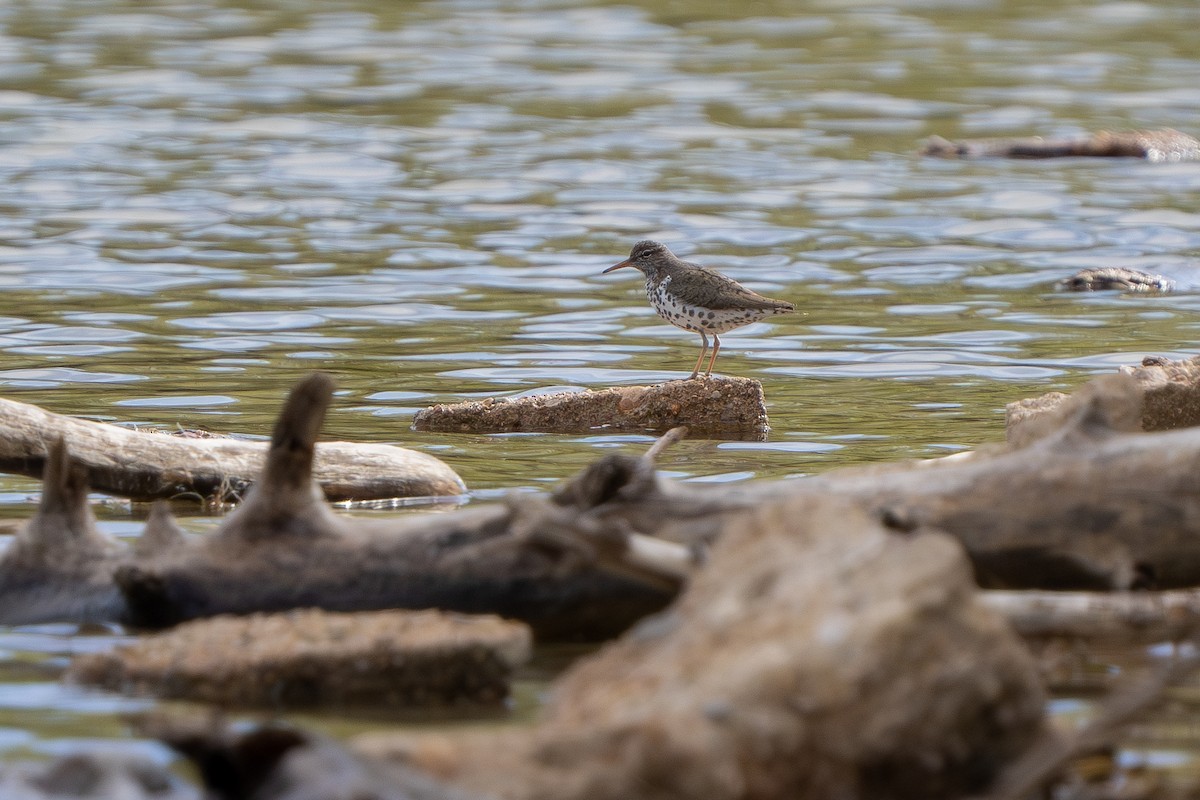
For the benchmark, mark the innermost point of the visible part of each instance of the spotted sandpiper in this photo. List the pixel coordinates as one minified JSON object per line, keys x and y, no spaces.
{"x":697,"y":298}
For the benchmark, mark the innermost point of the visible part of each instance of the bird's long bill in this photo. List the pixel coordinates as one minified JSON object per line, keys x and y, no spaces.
{"x":625,"y":263}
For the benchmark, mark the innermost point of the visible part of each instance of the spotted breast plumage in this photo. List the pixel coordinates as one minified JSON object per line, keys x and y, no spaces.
{"x":697,"y":298}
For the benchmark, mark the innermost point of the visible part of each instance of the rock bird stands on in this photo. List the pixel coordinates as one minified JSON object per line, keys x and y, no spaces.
{"x":697,"y":298}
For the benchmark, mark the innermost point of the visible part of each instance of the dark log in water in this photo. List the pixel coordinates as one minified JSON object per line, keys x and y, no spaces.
{"x":1086,"y":506}
{"x":1155,"y":145}
{"x":285,"y":548}
{"x":717,"y":407}
{"x":146,"y":466}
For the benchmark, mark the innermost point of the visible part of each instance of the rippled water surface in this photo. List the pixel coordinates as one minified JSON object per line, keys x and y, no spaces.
{"x":204,"y":201}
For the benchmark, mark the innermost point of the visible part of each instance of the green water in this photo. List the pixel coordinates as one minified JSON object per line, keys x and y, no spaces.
{"x":204,"y":201}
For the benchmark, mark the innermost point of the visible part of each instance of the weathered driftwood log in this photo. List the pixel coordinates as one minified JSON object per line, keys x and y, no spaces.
{"x":314,"y":658}
{"x":1084,"y":507}
{"x":1165,"y":396}
{"x":817,"y":655}
{"x":1117,"y":616}
{"x":1155,"y":145}
{"x":720,"y":407}
{"x":145,"y":466}
{"x":285,"y":548}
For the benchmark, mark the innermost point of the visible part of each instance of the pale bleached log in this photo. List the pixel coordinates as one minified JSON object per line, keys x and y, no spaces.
{"x":1117,"y":616}
{"x":146,"y":466}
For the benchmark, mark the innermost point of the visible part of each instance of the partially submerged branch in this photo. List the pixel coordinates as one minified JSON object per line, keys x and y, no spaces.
{"x":1154,"y":145}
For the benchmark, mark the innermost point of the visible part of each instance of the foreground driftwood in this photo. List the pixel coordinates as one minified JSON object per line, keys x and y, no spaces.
{"x":1156,"y":145}
{"x":1085,"y":506}
{"x":284,"y":547}
{"x":146,"y":466}
{"x":315,"y":658}
{"x":1164,"y":395}
{"x":817,"y":654}
{"x":712,"y":406}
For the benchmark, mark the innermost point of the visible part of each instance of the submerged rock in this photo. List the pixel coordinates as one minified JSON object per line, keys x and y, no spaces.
{"x":716,"y":406}
{"x":313,"y":658}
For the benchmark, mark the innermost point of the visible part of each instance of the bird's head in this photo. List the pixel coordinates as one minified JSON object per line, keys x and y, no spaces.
{"x":650,"y":257}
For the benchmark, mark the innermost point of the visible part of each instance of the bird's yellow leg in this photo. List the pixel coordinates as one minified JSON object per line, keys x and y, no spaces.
{"x":713,"y":360}
{"x":700,"y":360}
